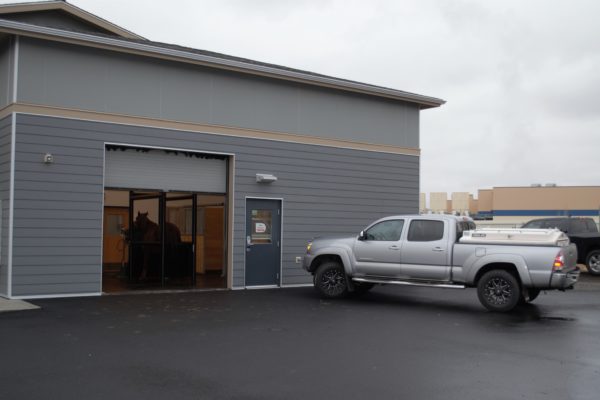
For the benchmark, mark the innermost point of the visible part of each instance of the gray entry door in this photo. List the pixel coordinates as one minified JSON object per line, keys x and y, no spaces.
{"x":263,"y":241}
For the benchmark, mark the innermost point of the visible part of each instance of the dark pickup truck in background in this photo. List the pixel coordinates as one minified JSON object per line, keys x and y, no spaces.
{"x":583,"y":232}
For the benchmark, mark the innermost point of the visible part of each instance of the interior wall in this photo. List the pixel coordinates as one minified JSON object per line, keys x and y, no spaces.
{"x":116,"y":198}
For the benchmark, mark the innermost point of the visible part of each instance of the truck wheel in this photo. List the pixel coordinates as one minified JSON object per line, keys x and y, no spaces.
{"x":529,"y":295}
{"x":330,"y":280}
{"x":593,"y":262}
{"x":498,"y":290}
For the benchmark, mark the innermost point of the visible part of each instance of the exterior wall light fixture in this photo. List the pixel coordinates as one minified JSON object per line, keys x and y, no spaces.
{"x":265,"y":178}
{"x":48,"y":158}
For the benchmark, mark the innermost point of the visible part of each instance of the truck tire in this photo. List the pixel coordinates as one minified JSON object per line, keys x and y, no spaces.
{"x":528,"y":295}
{"x":330,"y":280}
{"x":498,"y":290}
{"x":592,"y":262}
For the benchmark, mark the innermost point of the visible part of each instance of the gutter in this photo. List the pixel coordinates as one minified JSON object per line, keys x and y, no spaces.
{"x":19,"y":28}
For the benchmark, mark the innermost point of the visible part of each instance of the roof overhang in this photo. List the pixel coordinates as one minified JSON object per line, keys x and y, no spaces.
{"x":69,"y":9}
{"x":150,"y":50}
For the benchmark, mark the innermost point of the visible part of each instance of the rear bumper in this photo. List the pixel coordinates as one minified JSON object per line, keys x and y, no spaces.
{"x":564,"y":280}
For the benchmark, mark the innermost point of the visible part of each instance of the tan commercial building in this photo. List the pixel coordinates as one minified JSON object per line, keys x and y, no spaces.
{"x":521,"y":204}
{"x":422,"y":203}
{"x":460,"y":202}
{"x":473,"y":205}
{"x":516,"y":205}
{"x":438,"y":202}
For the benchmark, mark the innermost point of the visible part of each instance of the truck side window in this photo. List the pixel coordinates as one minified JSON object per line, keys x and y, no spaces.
{"x":561,"y":225}
{"x":578,"y":226}
{"x":386,"y":231}
{"x":425,"y":230}
{"x":535,"y":224}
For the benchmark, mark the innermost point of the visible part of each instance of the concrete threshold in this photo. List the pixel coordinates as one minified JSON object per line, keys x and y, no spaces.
{"x":162,"y":291}
{"x":7,"y":305}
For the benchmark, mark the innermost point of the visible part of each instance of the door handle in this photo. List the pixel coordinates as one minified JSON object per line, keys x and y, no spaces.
{"x":437,"y":249}
{"x":394,"y":247}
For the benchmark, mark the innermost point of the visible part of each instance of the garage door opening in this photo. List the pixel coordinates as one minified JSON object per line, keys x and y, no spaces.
{"x":157,"y":234}
{"x":164,"y":240}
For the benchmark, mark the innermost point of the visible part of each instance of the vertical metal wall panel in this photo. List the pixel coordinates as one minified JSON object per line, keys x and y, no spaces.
{"x":119,"y":83}
{"x":58,"y":209}
{"x":5,"y":164}
{"x":156,"y":169}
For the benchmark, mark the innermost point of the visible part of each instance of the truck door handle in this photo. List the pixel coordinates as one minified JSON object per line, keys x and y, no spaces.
{"x":394,"y":247}
{"x":437,"y":249}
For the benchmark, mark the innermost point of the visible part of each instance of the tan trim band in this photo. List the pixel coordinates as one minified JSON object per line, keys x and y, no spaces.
{"x":202,"y":128}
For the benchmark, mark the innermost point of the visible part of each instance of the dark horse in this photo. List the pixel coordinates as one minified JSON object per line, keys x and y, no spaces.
{"x":148,"y":232}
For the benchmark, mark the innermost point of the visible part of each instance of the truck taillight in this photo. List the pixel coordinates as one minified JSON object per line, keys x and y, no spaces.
{"x":559,"y":262}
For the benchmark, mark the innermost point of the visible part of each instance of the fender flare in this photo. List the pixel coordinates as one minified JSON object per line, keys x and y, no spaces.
{"x":513,"y":259}
{"x":341,"y":252}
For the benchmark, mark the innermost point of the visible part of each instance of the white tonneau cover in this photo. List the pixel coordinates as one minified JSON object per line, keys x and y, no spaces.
{"x":537,"y":237}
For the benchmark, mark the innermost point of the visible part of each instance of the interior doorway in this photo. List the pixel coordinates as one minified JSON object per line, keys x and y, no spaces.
{"x":164,"y":240}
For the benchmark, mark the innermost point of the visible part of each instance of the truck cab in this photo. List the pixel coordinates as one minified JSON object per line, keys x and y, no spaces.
{"x":412,"y":247}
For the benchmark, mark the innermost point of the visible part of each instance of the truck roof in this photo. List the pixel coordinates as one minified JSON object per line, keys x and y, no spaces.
{"x":439,"y":217}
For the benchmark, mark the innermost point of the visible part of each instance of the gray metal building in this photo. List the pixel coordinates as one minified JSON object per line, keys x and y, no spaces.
{"x":129,"y":164}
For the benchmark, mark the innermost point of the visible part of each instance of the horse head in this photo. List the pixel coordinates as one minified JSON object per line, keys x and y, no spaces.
{"x":142,"y":221}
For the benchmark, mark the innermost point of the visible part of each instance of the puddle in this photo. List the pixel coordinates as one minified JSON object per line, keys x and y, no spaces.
{"x":556,"y":318}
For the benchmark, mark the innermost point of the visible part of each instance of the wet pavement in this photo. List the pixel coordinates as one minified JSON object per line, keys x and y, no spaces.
{"x":394,"y":343}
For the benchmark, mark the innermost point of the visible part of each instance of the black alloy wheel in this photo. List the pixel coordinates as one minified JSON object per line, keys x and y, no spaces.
{"x":498,"y":290}
{"x":330,"y":280}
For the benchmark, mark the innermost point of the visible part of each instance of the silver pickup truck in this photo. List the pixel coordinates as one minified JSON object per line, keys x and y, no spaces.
{"x":508,"y":267}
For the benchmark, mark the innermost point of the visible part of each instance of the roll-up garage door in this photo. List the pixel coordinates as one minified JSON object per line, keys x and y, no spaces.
{"x":134,"y":168}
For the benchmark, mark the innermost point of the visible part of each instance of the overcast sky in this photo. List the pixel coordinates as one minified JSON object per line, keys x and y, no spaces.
{"x":521,"y":78}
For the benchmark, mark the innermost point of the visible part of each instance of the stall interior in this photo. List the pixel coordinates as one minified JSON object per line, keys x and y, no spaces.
{"x":163,"y":240}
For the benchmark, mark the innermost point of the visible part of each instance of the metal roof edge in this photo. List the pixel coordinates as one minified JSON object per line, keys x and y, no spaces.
{"x":149,"y":48}
{"x":71,"y":9}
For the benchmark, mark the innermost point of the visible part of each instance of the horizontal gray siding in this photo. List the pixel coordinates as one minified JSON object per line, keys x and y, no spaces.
{"x":5,"y":72}
{"x":58,"y":207}
{"x":64,"y":75}
{"x":5,"y":161}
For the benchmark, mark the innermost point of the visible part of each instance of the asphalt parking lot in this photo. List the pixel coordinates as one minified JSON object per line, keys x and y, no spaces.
{"x":394,"y":343}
